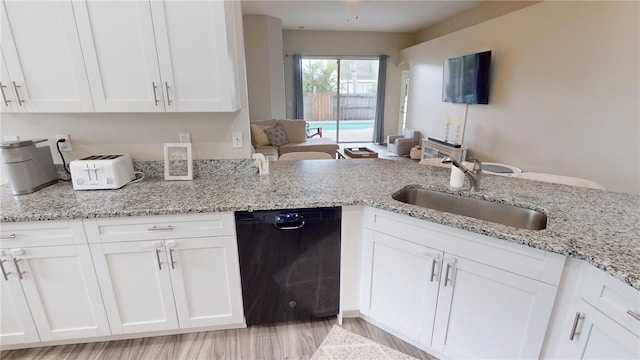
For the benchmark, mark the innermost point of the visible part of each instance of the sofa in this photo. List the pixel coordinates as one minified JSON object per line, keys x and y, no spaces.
{"x":276,"y":137}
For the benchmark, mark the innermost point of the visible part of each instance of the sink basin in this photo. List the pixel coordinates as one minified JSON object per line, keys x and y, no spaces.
{"x":475,"y":208}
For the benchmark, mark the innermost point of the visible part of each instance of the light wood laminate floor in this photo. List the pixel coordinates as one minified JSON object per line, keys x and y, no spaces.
{"x":282,"y":341}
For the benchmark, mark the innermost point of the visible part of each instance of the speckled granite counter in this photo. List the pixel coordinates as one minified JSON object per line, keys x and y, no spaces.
{"x":600,"y":227}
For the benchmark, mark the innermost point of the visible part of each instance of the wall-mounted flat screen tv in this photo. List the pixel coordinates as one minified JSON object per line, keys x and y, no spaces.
{"x":466,"y":79}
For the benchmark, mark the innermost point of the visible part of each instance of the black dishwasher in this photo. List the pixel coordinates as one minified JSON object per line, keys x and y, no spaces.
{"x":289,"y":263}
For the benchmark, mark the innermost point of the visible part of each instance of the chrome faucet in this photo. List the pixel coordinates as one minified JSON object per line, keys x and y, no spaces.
{"x":473,"y":175}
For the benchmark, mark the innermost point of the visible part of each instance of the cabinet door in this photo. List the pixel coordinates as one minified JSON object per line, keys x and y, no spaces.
{"x":196,"y":52}
{"x":136,"y":286}
{"x":119,"y":48}
{"x":42,"y":52}
{"x":607,"y":339}
{"x":60,"y":285}
{"x":484,"y":312}
{"x":206,"y":281}
{"x":398,"y":287}
{"x":9,"y":103}
{"x":16,"y":326}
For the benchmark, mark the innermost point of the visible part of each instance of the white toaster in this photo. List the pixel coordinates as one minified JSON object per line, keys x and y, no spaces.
{"x":101,"y":172}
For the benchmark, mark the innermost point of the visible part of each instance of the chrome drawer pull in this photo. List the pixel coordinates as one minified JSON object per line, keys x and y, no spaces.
{"x":158,"y":257}
{"x":160,"y":228}
{"x":433,"y":269}
{"x":10,"y":236}
{"x":173,"y":263}
{"x":166,"y":84}
{"x":155,"y":96}
{"x":574,"y":333}
{"x":634,"y":314}
{"x":4,"y":273}
{"x":15,"y":90}
{"x":20,"y":272}
{"x":4,"y":97}
{"x":446,"y":275}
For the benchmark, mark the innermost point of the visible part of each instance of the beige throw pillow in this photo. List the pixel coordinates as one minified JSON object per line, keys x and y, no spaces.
{"x":296,"y":130}
{"x":259,"y":135}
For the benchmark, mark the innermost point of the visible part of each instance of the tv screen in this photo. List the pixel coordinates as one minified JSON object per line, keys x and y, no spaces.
{"x":466,"y":79}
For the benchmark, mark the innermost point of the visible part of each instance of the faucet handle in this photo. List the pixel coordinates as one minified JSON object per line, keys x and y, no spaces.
{"x":477,"y":164}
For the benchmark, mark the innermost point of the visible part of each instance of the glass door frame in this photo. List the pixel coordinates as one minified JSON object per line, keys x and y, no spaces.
{"x":338,"y":59}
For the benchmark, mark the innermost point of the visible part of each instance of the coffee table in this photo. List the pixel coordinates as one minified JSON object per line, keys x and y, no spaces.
{"x":356,"y":153}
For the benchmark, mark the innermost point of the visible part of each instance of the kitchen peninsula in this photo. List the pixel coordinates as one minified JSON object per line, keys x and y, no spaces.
{"x":596,"y":226}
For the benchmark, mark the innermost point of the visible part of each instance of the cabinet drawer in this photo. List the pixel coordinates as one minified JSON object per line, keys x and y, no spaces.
{"x":159,"y":227}
{"x":42,"y":233}
{"x":611,"y":296}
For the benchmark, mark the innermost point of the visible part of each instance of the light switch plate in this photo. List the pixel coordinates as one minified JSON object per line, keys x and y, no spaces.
{"x":236,"y":139}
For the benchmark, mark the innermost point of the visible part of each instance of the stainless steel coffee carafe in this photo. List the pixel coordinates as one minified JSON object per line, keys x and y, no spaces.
{"x":28,"y":167}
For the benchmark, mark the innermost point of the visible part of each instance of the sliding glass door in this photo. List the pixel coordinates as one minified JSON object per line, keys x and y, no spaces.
{"x":340,"y":96}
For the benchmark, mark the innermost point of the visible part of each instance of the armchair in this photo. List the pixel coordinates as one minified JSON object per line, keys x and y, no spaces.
{"x":402,"y":144}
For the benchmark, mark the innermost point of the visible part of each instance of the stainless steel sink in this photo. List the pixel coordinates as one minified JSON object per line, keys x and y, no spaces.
{"x":475,"y":208}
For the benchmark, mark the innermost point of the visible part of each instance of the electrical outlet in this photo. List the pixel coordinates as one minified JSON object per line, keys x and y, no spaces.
{"x":66,"y":145}
{"x":236,"y":139}
{"x":185,"y":137}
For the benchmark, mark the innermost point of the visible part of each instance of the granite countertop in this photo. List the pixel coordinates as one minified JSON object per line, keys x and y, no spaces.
{"x":600,"y":227}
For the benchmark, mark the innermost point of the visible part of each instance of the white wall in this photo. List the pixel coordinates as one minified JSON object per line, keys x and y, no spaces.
{"x":483,"y":12}
{"x":324,"y":43}
{"x":565,"y":89}
{"x":265,"y":68}
{"x":143,"y":134}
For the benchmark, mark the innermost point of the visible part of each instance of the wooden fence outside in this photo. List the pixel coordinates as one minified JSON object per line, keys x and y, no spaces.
{"x":323,"y":106}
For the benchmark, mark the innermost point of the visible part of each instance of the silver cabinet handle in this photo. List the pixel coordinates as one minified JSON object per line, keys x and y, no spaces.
{"x":15,"y":90}
{"x":634,"y":314}
{"x":433,"y":268}
{"x":574,"y":331}
{"x":173,"y":263}
{"x":4,"y":96}
{"x":9,"y":236}
{"x":158,"y":257}
{"x":20,"y":272}
{"x":155,"y":96}
{"x":166,"y":85}
{"x":160,"y":228}
{"x":446,"y":275}
{"x":4,"y":273}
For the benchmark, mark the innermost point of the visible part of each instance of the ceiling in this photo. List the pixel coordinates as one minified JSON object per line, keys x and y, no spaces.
{"x":358,"y":15}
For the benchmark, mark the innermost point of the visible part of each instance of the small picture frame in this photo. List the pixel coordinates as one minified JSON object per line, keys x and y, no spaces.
{"x":178,"y":163}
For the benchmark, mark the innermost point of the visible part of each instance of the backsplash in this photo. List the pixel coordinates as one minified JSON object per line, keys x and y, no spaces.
{"x":201,"y":168}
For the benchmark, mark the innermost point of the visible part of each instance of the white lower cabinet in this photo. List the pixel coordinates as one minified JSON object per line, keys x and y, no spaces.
{"x":17,"y":325}
{"x":156,"y":285}
{"x":456,"y":293}
{"x":399,"y":284}
{"x":603,"y":321}
{"x":490,"y":313}
{"x":49,"y":293}
{"x":136,"y":292}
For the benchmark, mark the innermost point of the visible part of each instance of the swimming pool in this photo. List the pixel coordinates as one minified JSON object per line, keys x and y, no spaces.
{"x":344,"y":125}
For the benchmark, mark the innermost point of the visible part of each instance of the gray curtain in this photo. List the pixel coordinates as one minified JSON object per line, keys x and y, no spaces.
{"x":298,"y":106}
{"x":378,"y":128}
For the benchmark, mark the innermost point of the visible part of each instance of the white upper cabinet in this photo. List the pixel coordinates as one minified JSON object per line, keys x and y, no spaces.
{"x":43,"y":68}
{"x":119,"y":47}
{"x":159,"y":56}
{"x":196,"y":53}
